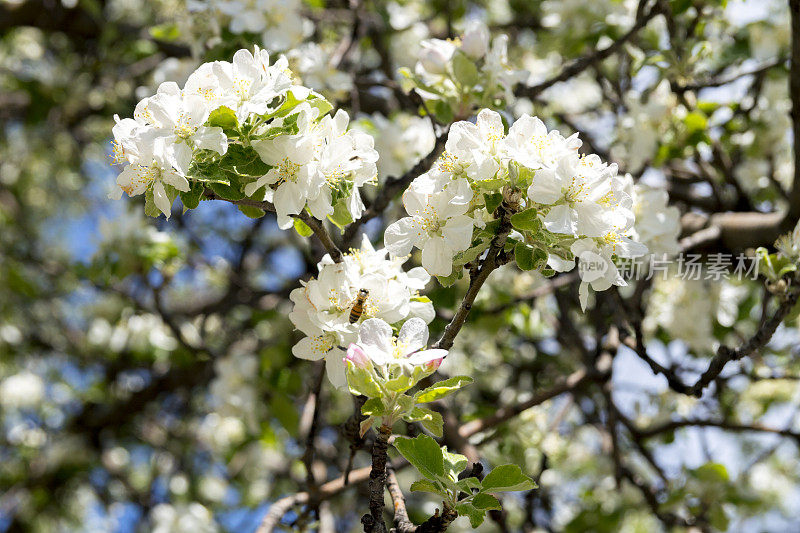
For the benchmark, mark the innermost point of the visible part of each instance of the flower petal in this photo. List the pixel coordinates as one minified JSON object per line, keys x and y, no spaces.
{"x":413,"y":335}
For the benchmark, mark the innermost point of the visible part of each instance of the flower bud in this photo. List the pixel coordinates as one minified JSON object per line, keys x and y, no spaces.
{"x":435,"y":56}
{"x":433,"y":366}
{"x":357,"y":356}
{"x":475,"y":41}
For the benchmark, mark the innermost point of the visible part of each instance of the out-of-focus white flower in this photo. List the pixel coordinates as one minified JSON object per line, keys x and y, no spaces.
{"x":313,"y":64}
{"x":641,"y":129}
{"x":657,"y":224}
{"x":279,"y":22}
{"x":22,"y":390}
{"x":401,"y":140}
{"x":183,"y":518}
{"x":684,"y":308}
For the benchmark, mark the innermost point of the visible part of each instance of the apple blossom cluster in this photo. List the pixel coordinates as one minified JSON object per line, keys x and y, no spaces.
{"x":464,"y":73}
{"x":566,"y":206}
{"x":242,"y":129}
{"x":383,"y":367}
{"x":328,"y":309}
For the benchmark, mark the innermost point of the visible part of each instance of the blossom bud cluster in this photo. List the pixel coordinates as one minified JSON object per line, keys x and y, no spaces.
{"x":329,"y":309}
{"x":242,"y":129}
{"x":463,"y":73}
{"x":566,"y":205}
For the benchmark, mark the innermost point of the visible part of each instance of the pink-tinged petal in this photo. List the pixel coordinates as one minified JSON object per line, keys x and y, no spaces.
{"x":427,"y":356}
{"x":357,"y":356}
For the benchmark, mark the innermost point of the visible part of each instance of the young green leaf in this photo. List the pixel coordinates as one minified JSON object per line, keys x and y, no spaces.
{"x":507,"y":478}
{"x":252,"y":212}
{"x":475,"y":515}
{"x":430,"y":420}
{"x":302,"y":228}
{"x":373,"y":407}
{"x":527,"y":220}
{"x":442,"y":389}
{"x":486,"y":502}
{"x":191,"y":198}
{"x":424,"y":485}
{"x":424,"y":453}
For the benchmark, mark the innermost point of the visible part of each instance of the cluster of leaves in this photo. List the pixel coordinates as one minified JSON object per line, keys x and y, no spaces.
{"x":444,"y":475}
{"x":388,"y":401}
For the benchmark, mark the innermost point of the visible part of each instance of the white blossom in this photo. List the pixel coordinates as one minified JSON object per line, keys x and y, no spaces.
{"x":377,"y":343}
{"x":437,"y":223}
{"x":322,"y":306}
{"x":22,"y":390}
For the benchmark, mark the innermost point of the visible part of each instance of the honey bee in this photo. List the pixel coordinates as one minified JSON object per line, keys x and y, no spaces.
{"x":358,"y":306}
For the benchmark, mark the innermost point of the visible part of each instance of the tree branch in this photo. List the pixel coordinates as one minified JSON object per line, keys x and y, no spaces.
{"x":373,"y":522}
{"x":579,"y":65}
{"x":794,"y":91}
{"x":479,"y":277}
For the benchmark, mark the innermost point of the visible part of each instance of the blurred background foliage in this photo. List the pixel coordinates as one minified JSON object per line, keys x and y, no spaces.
{"x":146,"y":375}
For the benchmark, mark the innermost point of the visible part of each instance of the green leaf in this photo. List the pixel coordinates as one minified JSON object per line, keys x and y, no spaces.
{"x":226,"y":191}
{"x":527,"y":220}
{"x":454,"y":463}
{"x":486,"y":502}
{"x":252,"y":212}
{"x":695,"y":121}
{"x":468,"y":484}
{"x":167,"y":32}
{"x":360,"y":382}
{"x":430,"y":420}
{"x":464,"y":70}
{"x":447,"y":281}
{"x":341,"y":216}
{"x":493,"y":201}
{"x":424,"y":485}
{"x":191,"y":198}
{"x":150,"y":208}
{"x":424,"y":453}
{"x":443,"y":111}
{"x":712,"y":473}
{"x":528,"y":257}
{"x":401,"y":383}
{"x":223,"y":117}
{"x":442,"y":389}
{"x":476,"y":516}
{"x":507,"y":478}
{"x":523,"y":255}
{"x":373,"y":407}
{"x":302,"y":228}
